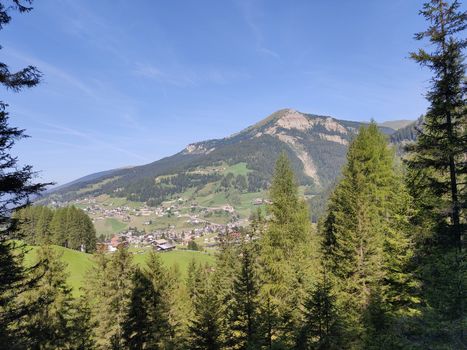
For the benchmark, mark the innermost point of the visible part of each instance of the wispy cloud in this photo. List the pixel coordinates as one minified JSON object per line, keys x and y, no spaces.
{"x":93,"y":29}
{"x":250,"y":16}
{"x":187,"y":77}
{"x":50,"y":70}
{"x":96,"y":140}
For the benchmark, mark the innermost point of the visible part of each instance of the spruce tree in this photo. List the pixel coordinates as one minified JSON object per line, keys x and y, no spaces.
{"x":243,"y":319}
{"x":441,"y":143}
{"x":83,"y":326}
{"x":204,"y":329}
{"x":16,"y":187}
{"x":438,"y":177}
{"x":138,"y":325}
{"x":151,"y":291}
{"x":108,"y":289}
{"x":50,"y":324}
{"x":179,"y":310}
{"x":321,"y":329}
{"x":59,"y":227}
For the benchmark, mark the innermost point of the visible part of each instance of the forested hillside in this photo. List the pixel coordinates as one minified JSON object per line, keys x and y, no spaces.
{"x":316,"y":146}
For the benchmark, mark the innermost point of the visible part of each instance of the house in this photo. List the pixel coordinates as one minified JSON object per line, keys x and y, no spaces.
{"x":166,"y":247}
{"x":117,"y":242}
{"x":160,"y":241}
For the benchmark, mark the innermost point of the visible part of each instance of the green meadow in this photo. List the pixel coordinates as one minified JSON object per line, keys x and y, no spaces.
{"x":78,"y":263}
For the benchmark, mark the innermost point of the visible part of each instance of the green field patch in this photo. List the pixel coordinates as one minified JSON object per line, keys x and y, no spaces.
{"x":109,"y":226}
{"x":238,"y":169}
{"x":79,"y":263}
{"x":96,"y":186}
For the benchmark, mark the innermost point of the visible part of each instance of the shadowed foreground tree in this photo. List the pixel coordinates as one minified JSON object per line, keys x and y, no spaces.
{"x":438,"y":177}
{"x":16,"y":187}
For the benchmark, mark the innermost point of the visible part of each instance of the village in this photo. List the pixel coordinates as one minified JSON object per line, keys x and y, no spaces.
{"x":176,"y":224}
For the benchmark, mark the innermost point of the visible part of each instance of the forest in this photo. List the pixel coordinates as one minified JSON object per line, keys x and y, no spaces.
{"x":384,"y":267}
{"x":68,"y":227}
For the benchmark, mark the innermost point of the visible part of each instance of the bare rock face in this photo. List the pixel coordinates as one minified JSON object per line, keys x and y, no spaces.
{"x":294,"y":120}
{"x":197,"y":148}
{"x":316,"y":145}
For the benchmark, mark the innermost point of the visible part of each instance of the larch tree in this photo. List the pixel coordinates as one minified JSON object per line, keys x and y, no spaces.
{"x":365,"y":242}
{"x":286,"y":257}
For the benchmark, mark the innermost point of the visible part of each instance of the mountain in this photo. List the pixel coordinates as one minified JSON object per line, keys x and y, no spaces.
{"x":397,"y":124}
{"x":238,"y":164}
{"x":84,"y":179}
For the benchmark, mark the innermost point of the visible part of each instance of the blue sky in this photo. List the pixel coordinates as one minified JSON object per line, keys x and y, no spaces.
{"x":129,"y":82}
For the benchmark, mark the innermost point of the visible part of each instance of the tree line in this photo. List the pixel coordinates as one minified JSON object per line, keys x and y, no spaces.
{"x":68,"y":227}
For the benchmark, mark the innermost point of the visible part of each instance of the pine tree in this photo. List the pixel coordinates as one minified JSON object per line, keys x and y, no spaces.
{"x":322,"y":329}
{"x":243,"y":320}
{"x":16,"y":187}
{"x":438,"y":176}
{"x":286,"y":257}
{"x":50,"y":325}
{"x":147,"y":323}
{"x":365,"y":241}
{"x":109,"y":290}
{"x":204,"y":329}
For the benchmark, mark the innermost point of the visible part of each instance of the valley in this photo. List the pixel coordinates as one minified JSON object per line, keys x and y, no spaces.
{"x":215,"y":185}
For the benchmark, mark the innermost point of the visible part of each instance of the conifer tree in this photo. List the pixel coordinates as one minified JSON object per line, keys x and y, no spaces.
{"x":322,"y":327}
{"x":365,"y":228}
{"x":50,"y":325}
{"x":16,"y":187}
{"x":138,"y":326}
{"x":147,"y":323}
{"x":83,"y":326}
{"x":441,"y":143}
{"x":59,"y":227}
{"x":438,"y":176}
{"x":227,"y":264}
{"x":286,"y":257}
{"x":204,"y":330}
{"x":194,"y":278}
{"x":243,"y":320}
{"x":109,"y":290}
{"x":179,"y":310}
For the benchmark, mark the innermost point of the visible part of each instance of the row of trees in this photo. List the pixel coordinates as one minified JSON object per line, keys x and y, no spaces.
{"x":67,"y":227}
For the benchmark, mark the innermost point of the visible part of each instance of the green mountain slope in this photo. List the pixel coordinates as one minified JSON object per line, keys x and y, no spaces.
{"x":315,"y":144}
{"x":79,"y":263}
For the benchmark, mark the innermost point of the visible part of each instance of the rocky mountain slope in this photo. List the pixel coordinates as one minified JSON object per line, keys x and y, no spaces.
{"x":316,"y":145}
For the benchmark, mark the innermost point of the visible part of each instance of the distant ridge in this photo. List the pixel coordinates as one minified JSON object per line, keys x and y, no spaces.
{"x":316,"y":146}
{"x":397,"y":124}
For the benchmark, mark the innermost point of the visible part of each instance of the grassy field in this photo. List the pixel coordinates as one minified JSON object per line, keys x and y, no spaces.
{"x":78,"y":263}
{"x":109,"y":226}
{"x":238,"y":169}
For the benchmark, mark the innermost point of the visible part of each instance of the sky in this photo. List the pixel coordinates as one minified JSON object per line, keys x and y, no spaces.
{"x":129,"y":82}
